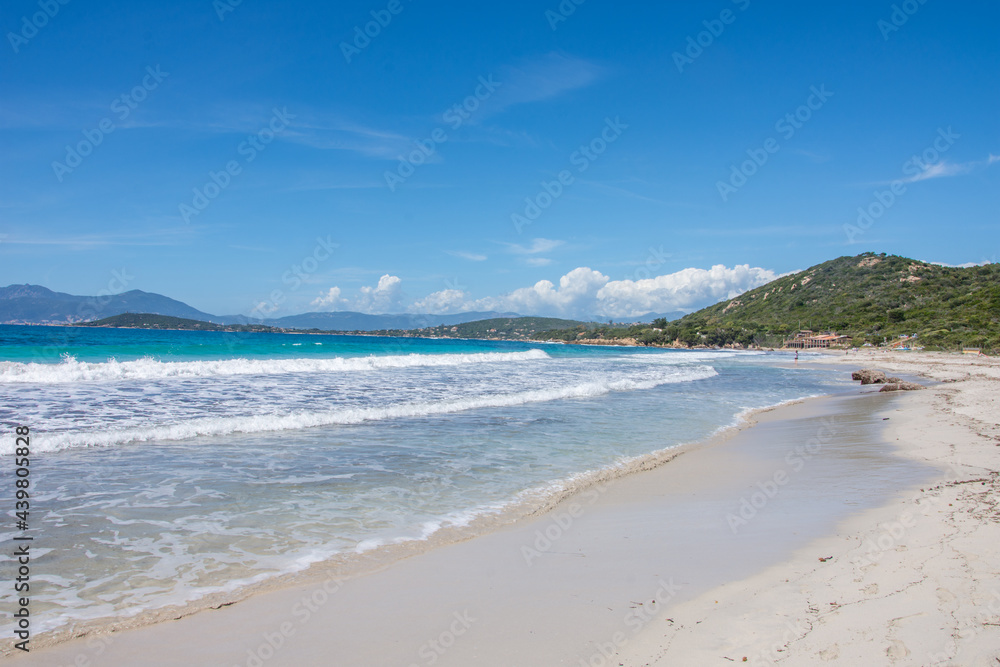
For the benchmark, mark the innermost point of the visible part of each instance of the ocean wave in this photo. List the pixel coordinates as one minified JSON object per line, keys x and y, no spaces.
{"x":217,"y":426}
{"x":71,"y":370}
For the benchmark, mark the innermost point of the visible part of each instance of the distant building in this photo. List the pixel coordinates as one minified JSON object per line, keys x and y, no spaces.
{"x":806,"y":339}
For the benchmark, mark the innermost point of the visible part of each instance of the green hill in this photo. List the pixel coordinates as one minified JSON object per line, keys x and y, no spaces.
{"x":870,"y":298}
{"x":151,"y":321}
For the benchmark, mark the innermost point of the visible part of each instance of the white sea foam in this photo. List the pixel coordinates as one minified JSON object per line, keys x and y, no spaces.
{"x":71,"y":370}
{"x":209,"y":426}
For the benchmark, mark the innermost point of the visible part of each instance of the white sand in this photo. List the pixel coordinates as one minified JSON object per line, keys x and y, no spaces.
{"x":916,"y":582}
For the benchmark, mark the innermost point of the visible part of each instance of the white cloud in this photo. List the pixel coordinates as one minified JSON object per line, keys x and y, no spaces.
{"x":538,"y":261}
{"x":383,"y":298}
{"x":439,"y":303}
{"x":328,"y":301}
{"x":966,"y":265}
{"x":583,"y":293}
{"x":684,"y":290}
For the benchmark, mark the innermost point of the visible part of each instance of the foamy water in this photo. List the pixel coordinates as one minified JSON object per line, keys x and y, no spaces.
{"x":160,"y":477}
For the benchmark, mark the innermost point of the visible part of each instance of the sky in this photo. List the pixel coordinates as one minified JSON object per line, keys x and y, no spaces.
{"x":575,"y":159}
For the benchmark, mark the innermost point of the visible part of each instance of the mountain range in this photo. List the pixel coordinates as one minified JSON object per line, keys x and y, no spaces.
{"x":34,"y":304}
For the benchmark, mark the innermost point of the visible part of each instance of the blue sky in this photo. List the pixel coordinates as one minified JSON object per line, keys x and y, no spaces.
{"x":544,"y":158}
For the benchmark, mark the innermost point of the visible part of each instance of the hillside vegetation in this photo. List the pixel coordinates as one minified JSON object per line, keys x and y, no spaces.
{"x":871,"y":298}
{"x":151,"y":321}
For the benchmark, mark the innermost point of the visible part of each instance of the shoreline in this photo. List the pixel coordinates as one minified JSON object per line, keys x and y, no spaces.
{"x":912,"y":582}
{"x":531,"y":504}
{"x":374,"y":584}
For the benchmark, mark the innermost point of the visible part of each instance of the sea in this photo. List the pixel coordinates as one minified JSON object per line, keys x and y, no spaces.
{"x":170,"y":466}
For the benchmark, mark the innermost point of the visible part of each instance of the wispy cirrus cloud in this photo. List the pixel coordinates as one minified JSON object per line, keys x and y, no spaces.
{"x":536,"y":246}
{"x":471,"y":256}
{"x":945,"y":169}
{"x":541,"y":78}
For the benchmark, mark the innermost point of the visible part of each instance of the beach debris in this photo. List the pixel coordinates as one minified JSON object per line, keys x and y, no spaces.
{"x":869,"y":376}
{"x":901,"y":386}
{"x":823,"y":560}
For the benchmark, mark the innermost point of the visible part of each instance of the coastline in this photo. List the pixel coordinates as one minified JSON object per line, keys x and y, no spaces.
{"x":528,"y":505}
{"x":710,"y":474}
{"x":913,"y":582}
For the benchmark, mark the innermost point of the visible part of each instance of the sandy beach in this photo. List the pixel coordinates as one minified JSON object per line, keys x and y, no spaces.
{"x":855,"y":529}
{"x":914,"y":582}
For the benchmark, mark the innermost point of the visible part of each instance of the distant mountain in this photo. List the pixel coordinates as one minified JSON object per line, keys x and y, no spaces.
{"x":33,"y":304}
{"x":351,"y":321}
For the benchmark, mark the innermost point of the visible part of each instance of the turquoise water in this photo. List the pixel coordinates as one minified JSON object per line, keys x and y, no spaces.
{"x":169,"y":465}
